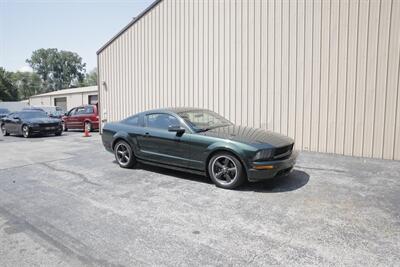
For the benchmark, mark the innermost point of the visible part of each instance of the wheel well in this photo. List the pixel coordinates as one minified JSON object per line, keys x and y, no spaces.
{"x":116,"y":141}
{"x":225,"y":151}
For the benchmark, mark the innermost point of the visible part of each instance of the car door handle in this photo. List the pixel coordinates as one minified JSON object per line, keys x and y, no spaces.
{"x":147,"y":134}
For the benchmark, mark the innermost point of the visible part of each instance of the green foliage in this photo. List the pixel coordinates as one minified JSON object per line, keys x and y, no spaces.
{"x":27,"y":84}
{"x":90,"y":78}
{"x":8,"y":92}
{"x":57,"y":69}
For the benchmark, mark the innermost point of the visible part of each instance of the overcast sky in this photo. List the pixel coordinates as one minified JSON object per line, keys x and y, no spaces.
{"x":73,"y":25}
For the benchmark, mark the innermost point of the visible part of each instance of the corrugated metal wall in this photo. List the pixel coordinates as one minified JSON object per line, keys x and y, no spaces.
{"x":324,"y":72}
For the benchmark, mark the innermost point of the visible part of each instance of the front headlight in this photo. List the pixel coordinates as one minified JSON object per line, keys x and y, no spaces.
{"x":263,"y":155}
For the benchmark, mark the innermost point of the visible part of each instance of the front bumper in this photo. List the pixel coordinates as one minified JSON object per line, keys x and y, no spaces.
{"x":45,"y":130}
{"x":276,"y":168}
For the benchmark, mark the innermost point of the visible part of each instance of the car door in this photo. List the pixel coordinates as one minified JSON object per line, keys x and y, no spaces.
{"x":79,"y":117}
{"x":15,"y":123}
{"x":68,"y":119}
{"x":158,"y":144}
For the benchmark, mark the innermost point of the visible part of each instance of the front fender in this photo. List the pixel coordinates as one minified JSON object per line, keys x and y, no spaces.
{"x":242,"y":151}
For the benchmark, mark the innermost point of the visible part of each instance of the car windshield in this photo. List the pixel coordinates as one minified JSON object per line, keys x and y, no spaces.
{"x":32,"y":114}
{"x":203,"y":120}
{"x":4,"y":111}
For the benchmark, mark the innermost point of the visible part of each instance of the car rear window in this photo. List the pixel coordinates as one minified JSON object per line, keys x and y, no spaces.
{"x":133,"y":121}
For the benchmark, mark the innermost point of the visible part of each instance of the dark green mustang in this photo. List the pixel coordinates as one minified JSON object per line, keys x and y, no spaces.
{"x":199,"y":141}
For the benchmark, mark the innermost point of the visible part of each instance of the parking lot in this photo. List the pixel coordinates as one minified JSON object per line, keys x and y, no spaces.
{"x":65,"y":202}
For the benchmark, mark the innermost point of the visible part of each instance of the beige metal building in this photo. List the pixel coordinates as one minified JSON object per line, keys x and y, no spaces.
{"x":67,"y":98}
{"x":325,"y":72}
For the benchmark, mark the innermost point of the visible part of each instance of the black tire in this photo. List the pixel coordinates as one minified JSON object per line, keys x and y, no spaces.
{"x":4,"y":131}
{"x":64,"y":127}
{"x":58,"y":133}
{"x":25,"y":131}
{"x":223,"y":165}
{"x":88,"y":126}
{"x":124,"y":155}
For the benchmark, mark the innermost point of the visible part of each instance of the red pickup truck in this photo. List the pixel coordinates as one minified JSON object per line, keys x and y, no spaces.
{"x":81,"y":117}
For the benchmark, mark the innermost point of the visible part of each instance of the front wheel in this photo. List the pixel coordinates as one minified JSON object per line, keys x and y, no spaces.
{"x":124,"y":155}
{"x":4,"y":131}
{"x":226,"y":171}
{"x":25,"y":131}
{"x":58,"y":133}
{"x":64,"y":126}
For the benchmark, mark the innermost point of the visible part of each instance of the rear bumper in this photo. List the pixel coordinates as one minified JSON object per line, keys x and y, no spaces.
{"x":276,"y":168}
{"x":95,"y":125}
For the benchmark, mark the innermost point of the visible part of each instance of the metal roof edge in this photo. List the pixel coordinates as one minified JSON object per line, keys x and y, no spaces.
{"x":136,"y":19}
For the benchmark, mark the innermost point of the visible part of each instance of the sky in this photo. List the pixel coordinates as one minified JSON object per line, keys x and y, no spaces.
{"x":73,"y":25}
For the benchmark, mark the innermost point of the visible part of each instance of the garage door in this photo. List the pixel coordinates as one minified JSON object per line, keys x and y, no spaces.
{"x":61,"y":102}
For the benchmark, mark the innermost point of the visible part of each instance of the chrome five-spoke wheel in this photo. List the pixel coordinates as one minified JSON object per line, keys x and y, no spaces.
{"x":124,"y":154}
{"x":226,"y":171}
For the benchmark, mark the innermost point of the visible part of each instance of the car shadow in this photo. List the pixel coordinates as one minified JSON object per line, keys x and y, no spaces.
{"x":286,"y":183}
{"x":32,"y":137}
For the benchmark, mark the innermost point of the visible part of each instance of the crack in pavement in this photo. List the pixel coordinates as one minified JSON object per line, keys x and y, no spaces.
{"x":79,"y":175}
{"x":57,"y":238}
{"x":31,"y":164}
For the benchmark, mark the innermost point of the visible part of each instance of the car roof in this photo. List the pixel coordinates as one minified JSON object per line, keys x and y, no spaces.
{"x":174,"y":109}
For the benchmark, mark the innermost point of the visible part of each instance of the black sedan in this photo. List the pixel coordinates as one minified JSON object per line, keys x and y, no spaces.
{"x":199,"y":141}
{"x":30,"y":122}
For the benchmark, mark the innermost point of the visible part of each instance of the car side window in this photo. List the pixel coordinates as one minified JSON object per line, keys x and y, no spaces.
{"x":71,"y":112}
{"x":89,"y":110}
{"x":133,"y":121}
{"x":80,"y":111}
{"x":161,"y":121}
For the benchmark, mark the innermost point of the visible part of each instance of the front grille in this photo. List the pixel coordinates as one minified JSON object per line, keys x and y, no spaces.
{"x":283,"y":152}
{"x":48,"y":124}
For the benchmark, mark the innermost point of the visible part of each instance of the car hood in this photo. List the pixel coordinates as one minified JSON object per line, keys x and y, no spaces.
{"x":253,"y":136}
{"x":42,"y":120}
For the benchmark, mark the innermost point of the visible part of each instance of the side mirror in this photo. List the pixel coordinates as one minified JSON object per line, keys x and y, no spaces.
{"x":176,"y":128}
{"x":17,"y":118}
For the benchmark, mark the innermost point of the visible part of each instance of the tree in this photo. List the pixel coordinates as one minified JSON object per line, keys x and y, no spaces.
{"x":8,"y":92}
{"x":57,"y":69}
{"x":27,"y":83}
{"x":90,"y":78}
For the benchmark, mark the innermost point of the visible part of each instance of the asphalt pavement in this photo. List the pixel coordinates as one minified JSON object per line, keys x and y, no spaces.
{"x":65,"y":202}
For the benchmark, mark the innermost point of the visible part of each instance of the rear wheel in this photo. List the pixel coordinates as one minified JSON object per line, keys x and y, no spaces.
{"x":88,"y":126}
{"x":4,"y":131}
{"x":25,"y":131}
{"x":124,"y":155}
{"x":226,"y":171}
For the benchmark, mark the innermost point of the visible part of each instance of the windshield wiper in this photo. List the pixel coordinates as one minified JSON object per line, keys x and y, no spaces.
{"x":212,"y":127}
{"x":204,"y":129}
